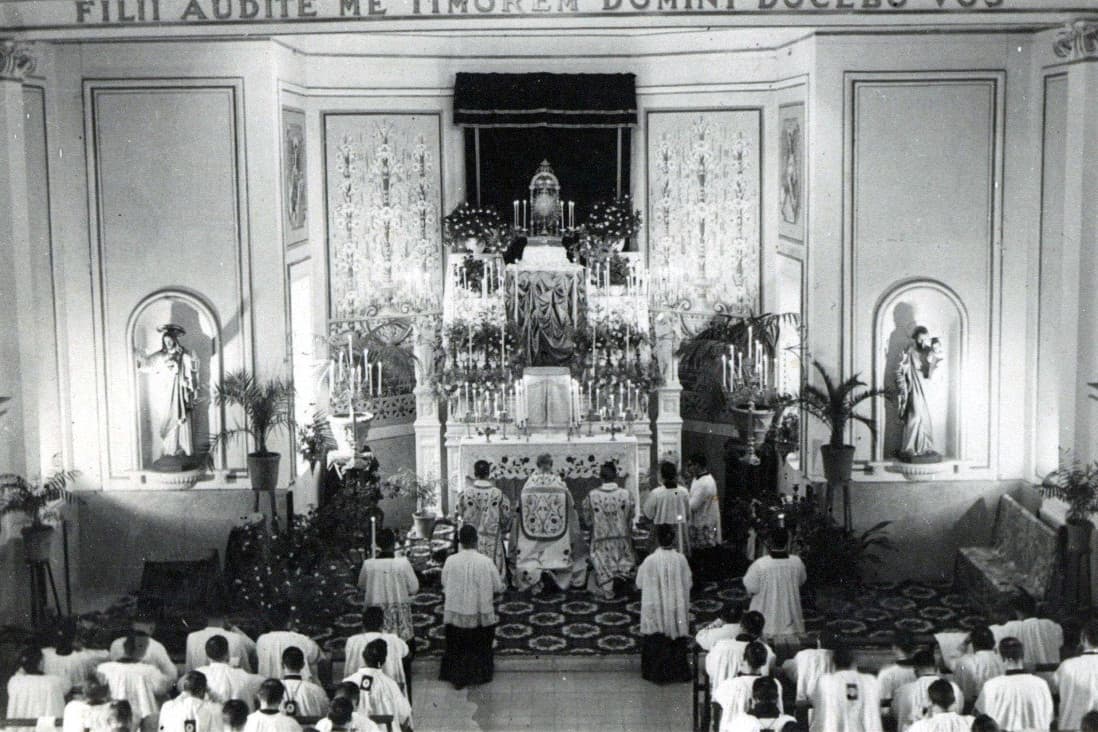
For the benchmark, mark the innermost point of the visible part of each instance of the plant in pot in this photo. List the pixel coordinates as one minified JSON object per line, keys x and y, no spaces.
{"x":406,"y":484}
{"x":1076,"y":484}
{"x":834,"y":406}
{"x":267,"y":407}
{"x":38,"y":501}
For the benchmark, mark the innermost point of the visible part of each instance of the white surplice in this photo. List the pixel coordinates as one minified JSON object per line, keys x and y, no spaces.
{"x":1077,"y":681}
{"x":270,"y":647}
{"x":751,"y":723}
{"x":74,"y":667}
{"x":378,"y":694}
{"x":708,"y":636}
{"x":175,"y":714}
{"x":225,"y":682}
{"x":664,"y":580}
{"x":774,"y":584}
{"x":972,"y":670}
{"x":359,"y":723}
{"x":725,"y":660}
{"x":911,"y":702}
{"x":705,"y":512}
{"x":393,"y":666}
{"x":665,"y":505}
{"x":1041,"y":639}
{"x":31,"y":696}
{"x":268,"y":720}
{"x":139,"y":683}
{"x":389,"y":583}
{"x":943,"y":722}
{"x":80,"y":716}
{"x":892,"y":677}
{"x":156,"y":654}
{"x":846,"y":701}
{"x":469,"y":584}
{"x":241,"y":647}
{"x":304,"y":698}
{"x":806,"y":668}
{"x":1019,"y":702}
{"x":734,"y":695}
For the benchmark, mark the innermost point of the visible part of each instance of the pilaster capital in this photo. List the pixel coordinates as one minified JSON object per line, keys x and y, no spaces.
{"x":16,"y":60}
{"x":1077,"y":40}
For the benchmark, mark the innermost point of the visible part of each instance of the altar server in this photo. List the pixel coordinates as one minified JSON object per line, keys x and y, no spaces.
{"x":1017,"y":700}
{"x":705,"y":506}
{"x":234,"y":715}
{"x":270,"y":646}
{"x":225,"y":681}
{"x":765,"y":714}
{"x":664,"y":580}
{"x":378,"y":694}
{"x":270,"y":717}
{"x":774,"y":583}
{"x":806,"y":668}
{"x":191,"y":711}
{"x":972,"y":670}
{"x":911,"y":702}
{"x":134,"y":680}
{"x":725,"y":627}
{"x":725,"y":658}
{"x":342,"y":717}
{"x":1042,"y":638}
{"x":469,"y":614}
{"x":669,"y":503}
{"x":846,"y":700}
{"x":545,"y":530}
{"x":902,"y":669}
{"x":89,"y":712}
{"x":120,"y":717}
{"x":608,"y":513}
{"x":349,"y":692}
{"x":33,"y":694}
{"x":304,"y":698}
{"x":1077,"y":681}
{"x":734,"y":694}
{"x":372,"y":621}
{"x":389,"y":582}
{"x":63,"y":658}
{"x":484,"y":507}
{"x":241,"y":647}
{"x":942,"y":715}
{"x":155,"y":653}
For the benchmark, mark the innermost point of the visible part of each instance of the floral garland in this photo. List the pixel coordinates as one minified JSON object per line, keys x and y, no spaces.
{"x":482,"y":224}
{"x":613,"y":218}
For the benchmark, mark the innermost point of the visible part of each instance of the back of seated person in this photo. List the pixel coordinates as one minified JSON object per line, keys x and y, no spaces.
{"x":725,"y":626}
{"x":342,"y":717}
{"x":901,"y":670}
{"x":303,"y":697}
{"x":33,"y":694}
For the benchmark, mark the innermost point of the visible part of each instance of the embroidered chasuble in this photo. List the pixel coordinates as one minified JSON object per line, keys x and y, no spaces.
{"x":545,"y":528}
{"x":608,"y":512}
{"x":484,"y":507}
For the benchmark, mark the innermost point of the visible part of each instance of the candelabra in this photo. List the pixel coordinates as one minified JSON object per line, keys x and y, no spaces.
{"x":504,"y":419}
{"x":613,"y":428}
{"x":487,"y":430}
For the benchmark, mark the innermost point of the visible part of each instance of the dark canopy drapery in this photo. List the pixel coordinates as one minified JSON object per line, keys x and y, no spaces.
{"x":545,"y":100}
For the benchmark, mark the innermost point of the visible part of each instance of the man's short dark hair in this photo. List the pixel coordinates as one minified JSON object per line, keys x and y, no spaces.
{"x":482,"y":469}
{"x":665,"y":535}
{"x":375,"y":653}
{"x":347,"y":690}
{"x":467,"y":536}
{"x":779,"y":539}
{"x":373,"y":618}
{"x":924,"y":659}
{"x":121,"y":713}
{"x":842,"y":655}
{"x":217,"y":648}
{"x":904,"y":641}
{"x":271,"y":692}
{"x":764,"y":691}
{"x":1011,"y":649}
{"x":235,"y":711}
{"x":669,"y":474}
{"x":293,"y":659}
{"x":753,"y":622}
{"x":1090,"y":633}
{"x":941,"y":694}
{"x":30,"y":659}
{"x":341,"y":710}
{"x":386,"y":540}
{"x":984,"y":723}
{"x":194,"y":683}
{"x":731,"y":612}
{"x":699,"y":459}
{"x":755,"y":655}
{"x":279,"y":615}
{"x":981,"y":638}
{"x":608,"y":472}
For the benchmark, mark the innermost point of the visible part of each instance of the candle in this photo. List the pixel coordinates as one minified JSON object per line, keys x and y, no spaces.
{"x":724,"y":371}
{"x":749,"y":343}
{"x":516,"y":217}
{"x":524,"y":216}
{"x":373,"y":537}
{"x":379,"y":365}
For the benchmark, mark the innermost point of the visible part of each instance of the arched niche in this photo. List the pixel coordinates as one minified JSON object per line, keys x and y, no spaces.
{"x":937,"y":307}
{"x":202,"y":339}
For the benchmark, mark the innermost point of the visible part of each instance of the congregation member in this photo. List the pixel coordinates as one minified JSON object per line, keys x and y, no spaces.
{"x":373,"y":618}
{"x":1077,"y":681}
{"x":608,"y":512}
{"x":807,"y":666}
{"x":545,"y":533}
{"x":241,"y":647}
{"x":669,"y":503}
{"x":734,"y":694}
{"x":469,"y":583}
{"x":705,"y":505}
{"x":120,"y":717}
{"x":902,"y":668}
{"x":155,"y":653}
{"x":225,"y":681}
{"x":304,"y":698}
{"x":846,"y":700}
{"x":63,"y":658}
{"x":270,"y":646}
{"x":911,"y":700}
{"x":389,"y":582}
{"x":726,"y":656}
{"x":484,"y":507}
{"x":1041,"y":637}
{"x":972,"y":670}
{"x":270,"y":717}
{"x":134,"y":680}
{"x":342,"y":717}
{"x":774,"y":583}
{"x":90,"y":711}
{"x":664,"y":580}
{"x":725,"y":627}
{"x":378,"y":694}
{"x":350,"y":693}
{"x":1017,"y":700}
{"x":234,"y":715}
{"x":984,"y":723}
{"x":191,"y":711}
{"x":33,"y":694}
{"x":942,"y":716}
{"x":765,"y":715}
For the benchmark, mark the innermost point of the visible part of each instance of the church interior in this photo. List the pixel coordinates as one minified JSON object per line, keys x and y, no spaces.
{"x":296,"y":287}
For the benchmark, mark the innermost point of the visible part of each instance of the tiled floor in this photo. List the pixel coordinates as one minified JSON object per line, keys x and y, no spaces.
{"x":547,"y":701}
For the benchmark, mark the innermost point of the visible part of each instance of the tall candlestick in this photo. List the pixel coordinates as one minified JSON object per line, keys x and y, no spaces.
{"x":373,"y":537}
{"x":379,"y":365}
{"x":525,"y":220}
{"x":516,"y":217}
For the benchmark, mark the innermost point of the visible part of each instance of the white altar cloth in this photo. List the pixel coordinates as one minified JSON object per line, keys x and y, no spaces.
{"x":579,"y":458}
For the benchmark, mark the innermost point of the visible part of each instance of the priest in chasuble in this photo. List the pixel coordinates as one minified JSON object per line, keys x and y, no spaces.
{"x":608,"y":512}
{"x":546,"y":529}
{"x":484,"y":507}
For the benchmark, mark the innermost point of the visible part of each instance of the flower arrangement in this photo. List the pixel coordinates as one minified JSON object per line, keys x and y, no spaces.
{"x":612,"y":219}
{"x":38,"y":500}
{"x":594,"y":251}
{"x":406,"y":484}
{"x":315,"y":438}
{"x":483,"y":225}
{"x":1076,"y":484}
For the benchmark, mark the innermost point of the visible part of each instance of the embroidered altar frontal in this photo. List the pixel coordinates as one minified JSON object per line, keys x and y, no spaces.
{"x":577,"y":460}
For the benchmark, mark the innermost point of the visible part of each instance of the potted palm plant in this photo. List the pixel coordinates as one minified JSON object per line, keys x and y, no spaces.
{"x":834,"y":406}
{"x":38,"y":501}
{"x":1076,"y":484}
{"x":267,"y":407}
{"x":406,"y":484}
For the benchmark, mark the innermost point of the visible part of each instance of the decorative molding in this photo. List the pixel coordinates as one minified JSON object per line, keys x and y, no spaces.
{"x":16,"y":61}
{"x":1077,"y":40}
